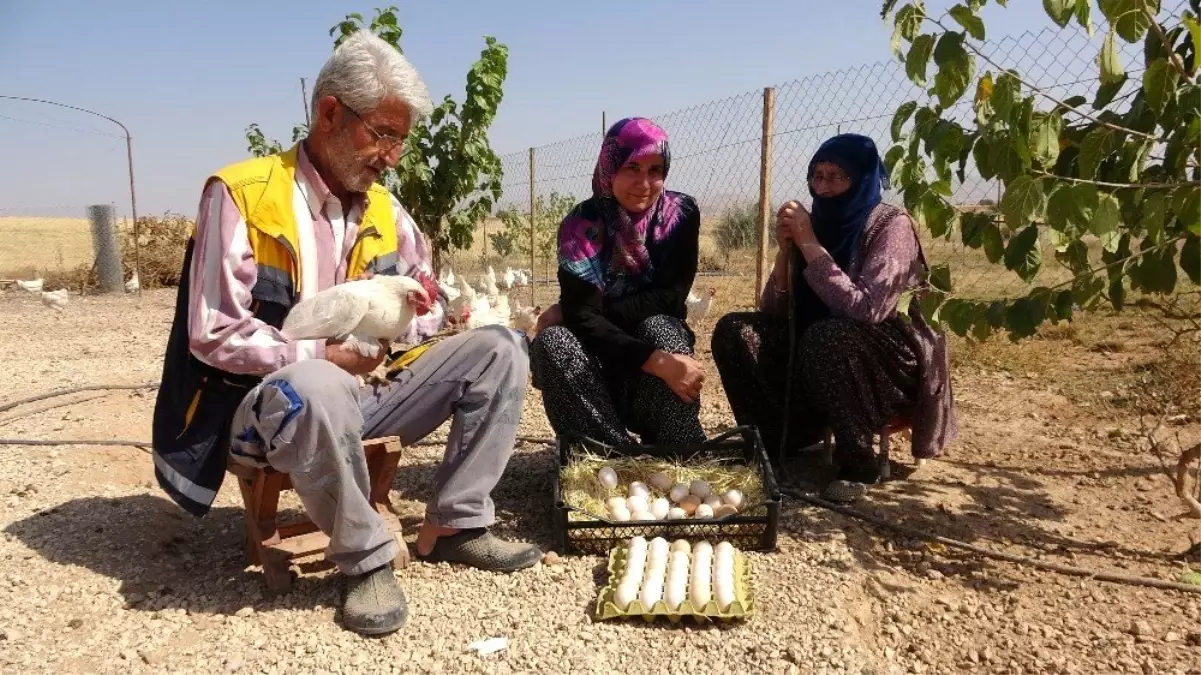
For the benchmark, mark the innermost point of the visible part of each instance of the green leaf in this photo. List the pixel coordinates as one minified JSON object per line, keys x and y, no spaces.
{"x":1190,"y":258}
{"x":1155,"y":211}
{"x":994,"y":245}
{"x":1186,"y":202}
{"x":973,"y":24}
{"x":956,"y":69}
{"x":940,"y":278}
{"x":917,"y":58}
{"x":1159,"y":84}
{"x":939,"y":215}
{"x":1060,"y":11}
{"x":1194,"y":30}
{"x":907,"y":25}
{"x":1007,"y":91}
{"x":901,"y":117}
{"x":1044,"y":137}
{"x":887,"y":8}
{"x":1023,"y":254}
{"x":1070,"y":207}
{"x":1108,"y":61}
{"x":1023,"y":202}
{"x":1095,"y":147}
{"x":958,"y":315}
{"x":1022,"y":318}
{"x":1107,"y":218}
{"x":972,"y":228}
{"x":1084,"y":15}
{"x":929,"y":304}
{"x":1127,"y":18}
{"x":982,"y":154}
{"x":981,"y":329}
{"x":1107,"y":91}
{"x":1004,"y":158}
{"x":1063,"y":305}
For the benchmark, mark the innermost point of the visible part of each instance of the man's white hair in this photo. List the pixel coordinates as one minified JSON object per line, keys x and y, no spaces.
{"x":364,"y":70}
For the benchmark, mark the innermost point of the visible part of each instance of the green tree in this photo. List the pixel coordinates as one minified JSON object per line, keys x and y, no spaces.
{"x":1121,"y":169}
{"x":449,"y":178}
{"x":549,"y":212}
{"x":738,"y":228}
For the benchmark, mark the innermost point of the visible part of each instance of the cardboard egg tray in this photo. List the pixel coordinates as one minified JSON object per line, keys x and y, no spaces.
{"x":742,"y":607}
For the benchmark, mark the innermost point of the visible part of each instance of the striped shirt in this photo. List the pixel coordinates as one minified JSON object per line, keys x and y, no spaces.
{"x":222,"y":332}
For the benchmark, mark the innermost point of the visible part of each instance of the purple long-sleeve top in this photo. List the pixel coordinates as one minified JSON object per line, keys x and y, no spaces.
{"x":888,"y":262}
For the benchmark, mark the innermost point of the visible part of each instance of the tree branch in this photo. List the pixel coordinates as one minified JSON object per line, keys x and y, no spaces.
{"x":1173,"y":57}
{"x":1039,"y":91}
{"x":1101,"y":183}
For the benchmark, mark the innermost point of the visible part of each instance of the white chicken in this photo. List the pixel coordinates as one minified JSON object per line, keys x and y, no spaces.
{"x":448,"y":277}
{"x":524,"y":318}
{"x":133,"y":285}
{"x":465,"y":296}
{"x":361,"y":313}
{"x":698,"y":307}
{"x":508,"y":280}
{"x":34,"y":286}
{"x":55,"y":299}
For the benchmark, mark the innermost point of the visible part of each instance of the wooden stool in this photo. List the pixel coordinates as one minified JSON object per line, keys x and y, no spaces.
{"x":275,"y":546}
{"x":894,"y":425}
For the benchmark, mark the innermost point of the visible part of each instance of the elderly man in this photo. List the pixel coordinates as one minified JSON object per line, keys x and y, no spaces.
{"x":273,"y":231}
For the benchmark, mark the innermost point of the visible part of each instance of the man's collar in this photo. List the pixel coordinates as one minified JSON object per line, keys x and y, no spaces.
{"x":320,"y":192}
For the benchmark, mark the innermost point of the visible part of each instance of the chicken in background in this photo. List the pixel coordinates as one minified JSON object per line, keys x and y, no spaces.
{"x":133,"y":285}
{"x":698,"y":307}
{"x":463,"y":301}
{"x":56,"y":300}
{"x":34,"y":286}
{"x":508,"y":280}
{"x":447,"y":277}
{"x":525,"y":318}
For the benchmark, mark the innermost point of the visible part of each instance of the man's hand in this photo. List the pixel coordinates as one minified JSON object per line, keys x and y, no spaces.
{"x":682,"y":374}
{"x":351,"y":360}
{"x":553,"y":316}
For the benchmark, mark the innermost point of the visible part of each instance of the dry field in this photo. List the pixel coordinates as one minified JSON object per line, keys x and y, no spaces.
{"x":32,"y":246}
{"x":101,"y":573}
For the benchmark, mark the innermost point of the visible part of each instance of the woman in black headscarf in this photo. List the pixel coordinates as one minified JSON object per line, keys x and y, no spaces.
{"x":858,"y":362}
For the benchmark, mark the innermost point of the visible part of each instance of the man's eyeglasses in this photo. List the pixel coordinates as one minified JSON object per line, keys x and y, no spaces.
{"x":385,"y":142}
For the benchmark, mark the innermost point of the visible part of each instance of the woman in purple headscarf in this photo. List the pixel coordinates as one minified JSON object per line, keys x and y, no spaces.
{"x":615,"y":355}
{"x":861,"y":359}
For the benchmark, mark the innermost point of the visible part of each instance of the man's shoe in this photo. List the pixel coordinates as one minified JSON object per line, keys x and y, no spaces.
{"x":477,"y":547}
{"x":374,"y":603}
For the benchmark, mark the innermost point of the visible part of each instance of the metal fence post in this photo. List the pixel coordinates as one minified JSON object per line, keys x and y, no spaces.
{"x":765,"y":157}
{"x":107,"y":249}
{"x":533,"y":216}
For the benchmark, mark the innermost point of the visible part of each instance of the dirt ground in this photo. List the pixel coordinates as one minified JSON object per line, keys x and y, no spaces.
{"x":101,"y":573}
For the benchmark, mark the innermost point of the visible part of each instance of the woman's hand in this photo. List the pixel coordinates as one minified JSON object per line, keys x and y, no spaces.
{"x":793,"y":224}
{"x":553,"y":316}
{"x":681,"y":373}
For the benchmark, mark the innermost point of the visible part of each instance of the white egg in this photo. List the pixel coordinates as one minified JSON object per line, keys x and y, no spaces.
{"x":713,"y":501}
{"x":733,"y":498}
{"x":677,"y":513}
{"x":638,"y":503}
{"x":680,"y":546}
{"x":625,"y":594}
{"x":678,"y":492}
{"x":621,"y":514}
{"x":607,"y":477}
{"x":612,"y":502}
{"x":638,"y":488}
{"x":643,"y":515}
{"x":700,"y":488}
{"x":660,"y":507}
{"x":659,"y":548}
{"x":660,"y":481}
{"x":724,"y":510}
{"x":703,"y":511}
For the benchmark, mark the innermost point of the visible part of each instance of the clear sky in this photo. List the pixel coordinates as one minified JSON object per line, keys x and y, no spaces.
{"x":188,"y":77}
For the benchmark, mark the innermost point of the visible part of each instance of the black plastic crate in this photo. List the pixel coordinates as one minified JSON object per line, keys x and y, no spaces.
{"x":746,"y":532}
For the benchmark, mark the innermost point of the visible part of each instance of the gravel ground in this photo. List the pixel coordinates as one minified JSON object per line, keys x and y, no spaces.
{"x":101,"y":573}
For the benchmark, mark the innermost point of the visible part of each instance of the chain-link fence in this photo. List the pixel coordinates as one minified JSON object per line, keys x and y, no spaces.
{"x":720,"y":150}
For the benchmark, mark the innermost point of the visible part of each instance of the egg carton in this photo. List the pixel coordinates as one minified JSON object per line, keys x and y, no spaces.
{"x":739,"y":610}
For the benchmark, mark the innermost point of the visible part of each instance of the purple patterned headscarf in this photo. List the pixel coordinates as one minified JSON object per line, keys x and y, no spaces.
{"x":609,"y":230}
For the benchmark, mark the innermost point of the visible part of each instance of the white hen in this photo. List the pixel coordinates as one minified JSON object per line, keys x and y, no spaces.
{"x":133,"y":284}
{"x":34,"y":286}
{"x":698,"y":307}
{"x":508,"y":280}
{"x":361,"y":313}
{"x":524,"y":318}
{"x":55,"y":299}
